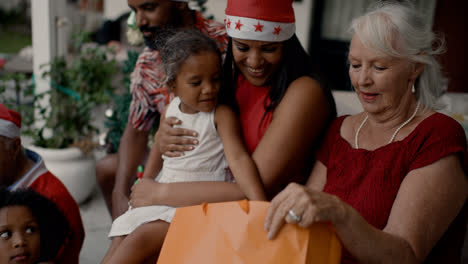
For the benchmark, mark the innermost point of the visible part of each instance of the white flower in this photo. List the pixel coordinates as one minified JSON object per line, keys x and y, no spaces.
{"x":134,"y":36}
{"x":47,"y":133}
{"x":102,"y":139}
{"x":109,"y":113}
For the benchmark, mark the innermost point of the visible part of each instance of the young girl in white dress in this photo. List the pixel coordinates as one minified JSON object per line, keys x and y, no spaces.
{"x":192,"y":63}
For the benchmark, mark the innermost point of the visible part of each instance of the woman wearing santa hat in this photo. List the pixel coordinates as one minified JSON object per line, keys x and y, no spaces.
{"x":283,"y":107}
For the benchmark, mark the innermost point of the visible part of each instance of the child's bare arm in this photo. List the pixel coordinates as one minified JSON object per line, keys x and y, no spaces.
{"x":241,"y":164}
{"x":155,"y":161}
{"x":154,"y":164}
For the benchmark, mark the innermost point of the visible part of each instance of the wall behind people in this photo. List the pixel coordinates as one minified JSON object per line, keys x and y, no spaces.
{"x":450,"y":18}
{"x":337,"y":15}
{"x":113,"y":9}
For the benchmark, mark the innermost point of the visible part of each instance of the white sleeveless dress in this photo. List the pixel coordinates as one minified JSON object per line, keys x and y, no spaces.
{"x":205,"y":163}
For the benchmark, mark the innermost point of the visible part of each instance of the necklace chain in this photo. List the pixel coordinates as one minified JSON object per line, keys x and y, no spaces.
{"x":394,"y":133}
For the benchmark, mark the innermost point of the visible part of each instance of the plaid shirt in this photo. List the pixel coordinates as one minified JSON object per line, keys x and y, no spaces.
{"x":149,"y":94}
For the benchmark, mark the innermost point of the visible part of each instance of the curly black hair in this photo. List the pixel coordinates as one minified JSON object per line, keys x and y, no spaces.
{"x":53,"y":225}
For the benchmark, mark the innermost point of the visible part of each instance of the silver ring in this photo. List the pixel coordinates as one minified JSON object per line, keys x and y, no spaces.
{"x":294,"y":216}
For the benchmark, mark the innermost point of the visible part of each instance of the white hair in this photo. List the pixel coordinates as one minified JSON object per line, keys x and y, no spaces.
{"x":396,"y":29}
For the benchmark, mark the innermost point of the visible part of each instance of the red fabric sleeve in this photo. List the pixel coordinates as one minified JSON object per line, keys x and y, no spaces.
{"x":52,"y":188}
{"x":446,"y":137}
{"x":323,"y":153}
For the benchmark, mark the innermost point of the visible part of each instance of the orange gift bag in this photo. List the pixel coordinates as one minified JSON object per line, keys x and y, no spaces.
{"x":232,"y":232}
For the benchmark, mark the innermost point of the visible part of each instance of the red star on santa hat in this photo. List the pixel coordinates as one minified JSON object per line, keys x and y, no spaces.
{"x":239,"y":25}
{"x":277,"y":30}
{"x":258,"y":27}
{"x":228,"y":24}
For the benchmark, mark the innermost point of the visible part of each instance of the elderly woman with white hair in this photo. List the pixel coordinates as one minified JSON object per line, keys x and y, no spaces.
{"x":393,"y":179}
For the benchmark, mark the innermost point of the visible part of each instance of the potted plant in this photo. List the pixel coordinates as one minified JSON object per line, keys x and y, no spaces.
{"x":64,"y":133}
{"x":117,"y":116}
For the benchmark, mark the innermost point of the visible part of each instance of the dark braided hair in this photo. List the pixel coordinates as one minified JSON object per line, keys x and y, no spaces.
{"x":53,"y":225}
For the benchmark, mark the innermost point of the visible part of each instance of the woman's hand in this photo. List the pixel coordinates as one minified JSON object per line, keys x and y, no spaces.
{"x":307,"y":205}
{"x":174,"y":141}
{"x":145,"y":193}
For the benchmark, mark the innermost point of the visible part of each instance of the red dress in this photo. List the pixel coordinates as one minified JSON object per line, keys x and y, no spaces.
{"x":252,"y":101}
{"x":369,"y":180}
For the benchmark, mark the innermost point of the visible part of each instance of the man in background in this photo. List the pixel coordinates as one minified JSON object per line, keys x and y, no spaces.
{"x":23,"y":168}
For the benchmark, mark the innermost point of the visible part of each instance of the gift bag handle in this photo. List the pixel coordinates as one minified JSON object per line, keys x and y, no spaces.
{"x":243,"y":204}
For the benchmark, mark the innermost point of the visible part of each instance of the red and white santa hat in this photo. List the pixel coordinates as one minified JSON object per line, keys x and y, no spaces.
{"x":265,"y":20}
{"x":10,"y":122}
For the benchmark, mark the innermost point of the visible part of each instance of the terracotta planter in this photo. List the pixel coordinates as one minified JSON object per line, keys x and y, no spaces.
{"x":76,"y":170}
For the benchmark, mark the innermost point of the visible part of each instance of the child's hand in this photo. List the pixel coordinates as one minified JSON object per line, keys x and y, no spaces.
{"x":144,"y":193}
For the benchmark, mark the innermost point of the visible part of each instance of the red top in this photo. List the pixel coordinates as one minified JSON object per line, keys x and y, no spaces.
{"x":51,"y":187}
{"x":369,"y":180}
{"x":252,"y":101}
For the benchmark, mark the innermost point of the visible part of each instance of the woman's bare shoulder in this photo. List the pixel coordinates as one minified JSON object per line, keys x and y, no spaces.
{"x":305,"y":84}
{"x":303,"y":92}
{"x":304,"y":98}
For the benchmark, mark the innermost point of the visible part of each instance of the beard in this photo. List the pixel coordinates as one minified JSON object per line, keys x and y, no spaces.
{"x":158,"y":37}
{"x":160,"y":34}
